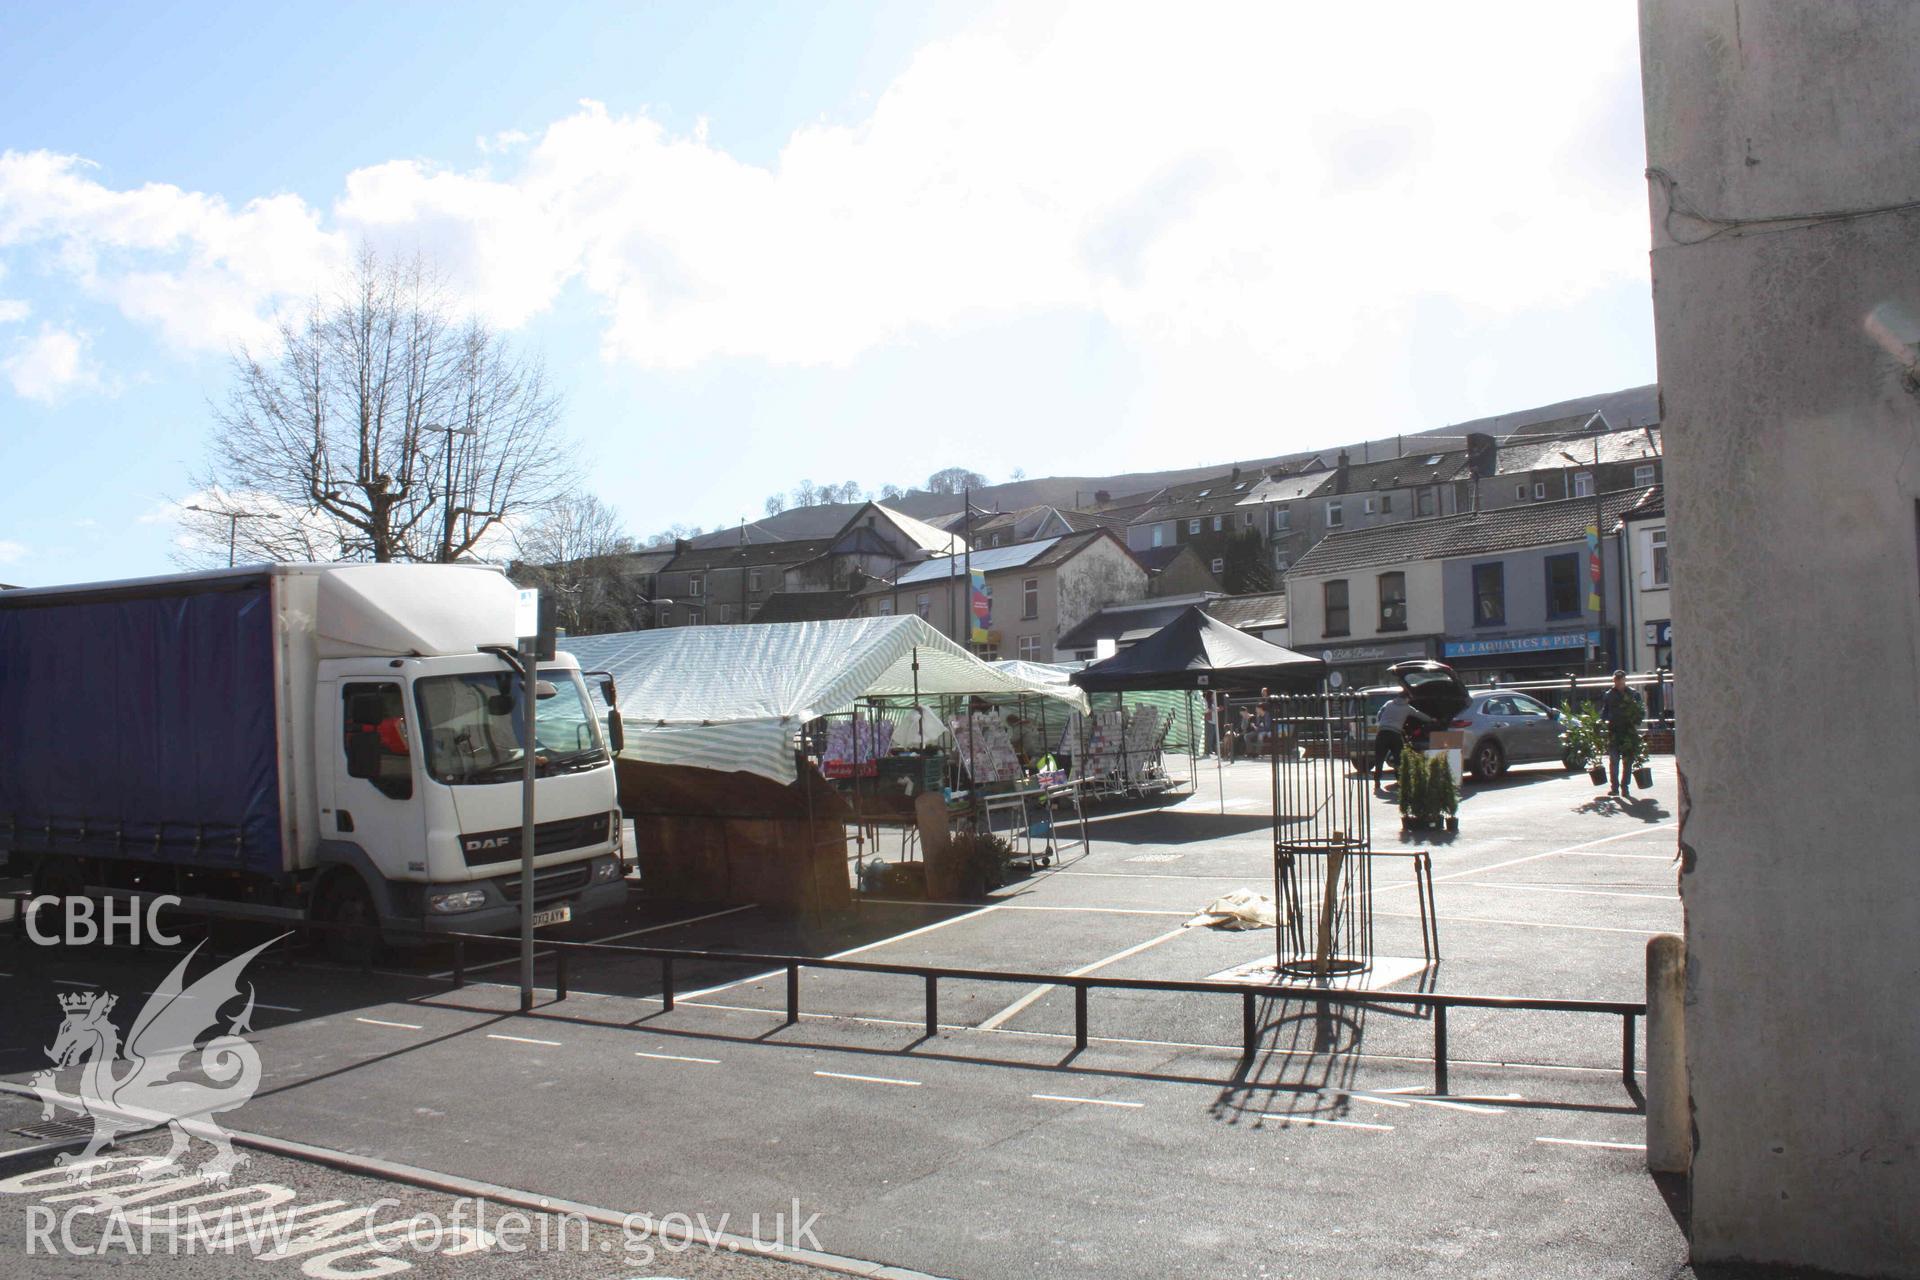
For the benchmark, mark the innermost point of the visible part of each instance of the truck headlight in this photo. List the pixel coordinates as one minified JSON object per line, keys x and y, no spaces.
{"x":458,"y":900}
{"x":607,"y":870}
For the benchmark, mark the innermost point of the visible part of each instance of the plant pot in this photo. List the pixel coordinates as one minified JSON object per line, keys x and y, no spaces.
{"x":1598,"y":773}
{"x":1643,"y":778}
{"x":1453,"y":824}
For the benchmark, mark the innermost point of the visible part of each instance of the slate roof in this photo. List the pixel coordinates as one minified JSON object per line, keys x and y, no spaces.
{"x":1535,"y":524}
{"x":1652,"y":505}
{"x":805,"y":606}
{"x":1046,"y":551}
{"x":1558,"y":452}
{"x":1433,"y":466}
{"x":1287,"y":488}
{"x":1154,"y":559}
{"x":1255,"y":612}
{"x":753,"y":556}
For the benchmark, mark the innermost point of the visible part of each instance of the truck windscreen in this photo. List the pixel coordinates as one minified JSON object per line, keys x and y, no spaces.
{"x":471,"y":727}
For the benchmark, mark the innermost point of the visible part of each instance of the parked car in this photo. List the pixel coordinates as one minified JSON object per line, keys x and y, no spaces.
{"x":1499,"y":727}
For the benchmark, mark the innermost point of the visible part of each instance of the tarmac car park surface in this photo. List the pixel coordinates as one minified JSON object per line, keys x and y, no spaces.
{"x":995,"y":1148}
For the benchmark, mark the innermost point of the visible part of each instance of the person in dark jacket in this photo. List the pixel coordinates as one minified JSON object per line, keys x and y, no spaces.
{"x":1621,"y":711}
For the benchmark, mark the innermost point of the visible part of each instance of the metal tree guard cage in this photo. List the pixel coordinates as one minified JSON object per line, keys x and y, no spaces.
{"x":1322,"y":834}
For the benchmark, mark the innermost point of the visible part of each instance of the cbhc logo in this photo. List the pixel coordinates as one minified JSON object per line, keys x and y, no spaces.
{"x":82,"y":929}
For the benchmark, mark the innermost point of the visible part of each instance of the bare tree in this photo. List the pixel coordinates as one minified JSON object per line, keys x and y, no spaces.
{"x":852,"y":492}
{"x":805,"y":494}
{"x":955,"y":480}
{"x":888,"y":492}
{"x":776,"y":503}
{"x":383,"y":428}
{"x":579,"y":552}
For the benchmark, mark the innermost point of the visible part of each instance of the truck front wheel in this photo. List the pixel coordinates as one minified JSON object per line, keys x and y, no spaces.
{"x":353,"y":926}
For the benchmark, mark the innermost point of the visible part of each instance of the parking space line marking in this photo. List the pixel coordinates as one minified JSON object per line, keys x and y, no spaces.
{"x":69,"y":982}
{"x":675,"y":1057}
{"x":1089,"y":1102}
{"x":403,"y":1026}
{"x":1552,"y":853}
{"x":677,"y":924}
{"x":1452,"y":1097}
{"x":1377,"y":1101}
{"x":1335,"y":1124}
{"x":1590,"y":893}
{"x":1024,"y":1001}
{"x":1527,"y":924}
{"x":1111,"y":911}
{"x":259,"y":1004}
{"x":551,"y":1044}
{"x":842,"y":955}
{"x":1586,"y":1142}
{"x":841,"y":1075}
{"x":1448,"y":1103}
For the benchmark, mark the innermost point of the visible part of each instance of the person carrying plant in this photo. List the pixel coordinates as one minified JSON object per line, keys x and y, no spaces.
{"x":1621,"y":710}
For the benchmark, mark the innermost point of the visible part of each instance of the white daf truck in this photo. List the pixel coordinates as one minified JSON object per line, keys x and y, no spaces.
{"x":338,"y":743}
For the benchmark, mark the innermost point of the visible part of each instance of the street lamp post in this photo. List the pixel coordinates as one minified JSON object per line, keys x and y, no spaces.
{"x":233,"y":519}
{"x":446,"y":543}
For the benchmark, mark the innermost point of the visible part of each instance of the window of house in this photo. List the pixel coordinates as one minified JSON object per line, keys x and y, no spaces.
{"x":1393,"y":601}
{"x":1540,"y":491}
{"x":1335,"y":594}
{"x":1643,"y":475}
{"x":1282,"y":518}
{"x":1280,"y":564}
{"x":696,"y":616}
{"x":1193,"y":526}
{"x":753,"y":579}
{"x":987,"y":652}
{"x":1219,"y":565}
{"x":726,"y":613}
{"x":1427,"y":500}
{"x":1657,"y":544}
{"x":1029,"y":648}
{"x":1246,"y":520}
{"x":1520,"y":493}
{"x":1159,"y":534}
{"x":1030,"y":599}
{"x":1386,"y":503}
{"x":1490,"y":594}
{"x":1218,"y":524}
{"x":1563,"y":585}
{"x":885,"y":608}
{"x":373,"y":725}
{"x":1583,"y":484}
{"x":1334,"y":519}
{"x":696,"y":584}
{"x":1371,"y":505}
{"x":923,"y":604}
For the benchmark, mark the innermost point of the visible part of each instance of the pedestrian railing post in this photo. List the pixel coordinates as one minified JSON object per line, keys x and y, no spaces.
{"x":1627,"y":1050}
{"x":933,"y":1006}
{"x":666,"y":983}
{"x":793,"y":994}
{"x":1440,"y":1049}
{"x":1249,"y":1033}
{"x":459,"y":963}
{"x":1079,"y":1015}
{"x":559,"y":975}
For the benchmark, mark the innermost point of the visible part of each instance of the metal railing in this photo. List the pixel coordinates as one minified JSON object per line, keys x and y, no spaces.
{"x":1434,"y":1004}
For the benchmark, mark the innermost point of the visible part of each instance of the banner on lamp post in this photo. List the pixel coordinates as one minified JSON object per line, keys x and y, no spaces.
{"x":980,"y":604}
{"x":1593,"y":569}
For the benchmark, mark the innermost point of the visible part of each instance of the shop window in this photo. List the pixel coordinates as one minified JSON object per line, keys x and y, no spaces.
{"x":1563,"y":586}
{"x":1335,"y":594}
{"x":1393,"y":602}
{"x":1657,"y":545}
{"x":1029,"y":648}
{"x":1030,"y":599}
{"x":1490,"y":594}
{"x":374,"y":735}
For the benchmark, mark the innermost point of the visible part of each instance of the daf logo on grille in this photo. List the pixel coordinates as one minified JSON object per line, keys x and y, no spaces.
{"x":481,"y":843}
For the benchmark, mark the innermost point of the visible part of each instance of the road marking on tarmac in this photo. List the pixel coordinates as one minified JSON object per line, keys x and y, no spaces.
{"x":1090,"y":1102}
{"x":675,"y":1057}
{"x":1332,"y":1124}
{"x":1448,"y":1103}
{"x":841,"y":1075}
{"x":403,"y":1026}
{"x":842,"y":955}
{"x":1589,"y":893}
{"x":551,"y":1044}
{"x":1529,"y":924}
{"x":1024,"y":1001}
{"x":1584,"y":1142}
{"x":676,"y":924}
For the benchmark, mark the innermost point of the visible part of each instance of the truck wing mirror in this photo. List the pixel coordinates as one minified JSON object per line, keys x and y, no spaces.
{"x":616,"y":731}
{"x":608,"y":694}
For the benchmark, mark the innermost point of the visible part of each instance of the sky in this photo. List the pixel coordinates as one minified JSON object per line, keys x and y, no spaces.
{"x":761,"y":243}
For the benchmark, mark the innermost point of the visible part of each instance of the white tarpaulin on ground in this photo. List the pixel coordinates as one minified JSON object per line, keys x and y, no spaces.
{"x":1241,"y":909}
{"x":732,"y":698}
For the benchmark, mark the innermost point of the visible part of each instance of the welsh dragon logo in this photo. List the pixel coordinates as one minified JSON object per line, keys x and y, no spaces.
{"x":156,"y":1087}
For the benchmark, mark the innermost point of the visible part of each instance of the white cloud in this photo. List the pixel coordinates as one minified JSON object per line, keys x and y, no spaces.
{"x":50,"y":366}
{"x":1252,"y":197}
{"x":12,"y":552}
{"x":14,"y":310}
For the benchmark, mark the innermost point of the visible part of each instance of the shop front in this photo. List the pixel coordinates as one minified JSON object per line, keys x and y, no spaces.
{"x":1532,"y":656}
{"x":1363,"y":665}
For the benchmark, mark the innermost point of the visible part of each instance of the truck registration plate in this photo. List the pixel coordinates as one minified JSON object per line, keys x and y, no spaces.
{"x":552,"y":915}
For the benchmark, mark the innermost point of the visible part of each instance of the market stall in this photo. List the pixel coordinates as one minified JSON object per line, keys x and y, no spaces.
{"x":783,"y":704}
